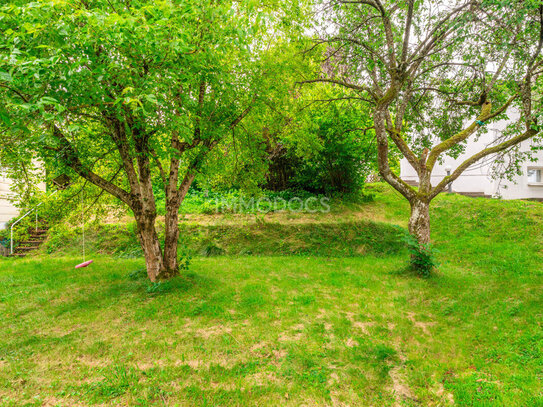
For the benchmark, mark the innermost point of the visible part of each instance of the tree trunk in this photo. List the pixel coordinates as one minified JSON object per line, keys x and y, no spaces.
{"x":419,"y":221}
{"x":174,"y":198}
{"x":150,"y":245}
{"x":161,"y":265}
{"x":171,"y":237}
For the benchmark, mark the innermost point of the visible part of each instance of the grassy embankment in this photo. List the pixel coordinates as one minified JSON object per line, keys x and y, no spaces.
{"x":300,"y":309}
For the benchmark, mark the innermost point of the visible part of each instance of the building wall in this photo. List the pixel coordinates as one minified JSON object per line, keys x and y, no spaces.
{"x":522,"y":188}
{"x":477,"y":178}
{"x":7,"y":210}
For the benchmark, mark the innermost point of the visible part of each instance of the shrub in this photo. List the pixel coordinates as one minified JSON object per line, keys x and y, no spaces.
{"x":423,"y":261}
{"x":338,"y":167}
{"x":211,"y":249}
{"x":327,"y":148}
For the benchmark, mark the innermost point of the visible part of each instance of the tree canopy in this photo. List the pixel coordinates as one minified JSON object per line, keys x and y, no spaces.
{"x":117,"y":90}
{"x":138,"y":95}
{"x":434,"y":74}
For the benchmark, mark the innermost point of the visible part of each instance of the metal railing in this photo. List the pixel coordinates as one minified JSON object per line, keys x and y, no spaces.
{"x":21,"y":218}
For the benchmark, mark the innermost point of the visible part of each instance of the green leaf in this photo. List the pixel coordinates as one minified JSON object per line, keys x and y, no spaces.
{"x":4,"y":116}
{"x":6,"y":77}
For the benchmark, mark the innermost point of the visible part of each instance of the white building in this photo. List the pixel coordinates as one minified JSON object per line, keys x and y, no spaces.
{"x":9,"y":211}
{"x":478,"y":179}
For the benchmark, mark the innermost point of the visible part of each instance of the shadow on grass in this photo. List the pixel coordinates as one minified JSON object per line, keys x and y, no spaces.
{"x":135,"y":288}
{"x":406,"y":271}
{"x":30,"y":344}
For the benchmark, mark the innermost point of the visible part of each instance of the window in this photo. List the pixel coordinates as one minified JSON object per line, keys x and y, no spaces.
{"x":534,"y":175}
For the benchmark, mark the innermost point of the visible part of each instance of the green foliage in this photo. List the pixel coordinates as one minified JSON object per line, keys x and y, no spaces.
{"x":126,"y":96}
{"x":423,"y":256}
{"x":184,"y":259}
{"x":440,"y":105}
{"x":158,"y":287}
{"x":138,"y":274}
{"x":21,"y":231}
{"x":340,"y":166}
{"x":211,"y":248}
{"x":210,"y":202}
{"x":58,"y":235}
{"x":326,"y":148}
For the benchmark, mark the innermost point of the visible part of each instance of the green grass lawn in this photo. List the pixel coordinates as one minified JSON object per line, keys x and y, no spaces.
{"x":290,"y":329}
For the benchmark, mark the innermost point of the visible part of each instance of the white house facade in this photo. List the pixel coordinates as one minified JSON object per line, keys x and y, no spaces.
{"x":478,"y":179}
{"x":9,"y":211}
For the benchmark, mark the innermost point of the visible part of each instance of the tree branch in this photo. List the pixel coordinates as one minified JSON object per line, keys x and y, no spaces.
{"x":464,"y":134}
{"x":23,"y":97}
{"x":73,"y":161}
{"x":341,"y":83}
{"x":407,"y":30}
{"x":476,"y":157}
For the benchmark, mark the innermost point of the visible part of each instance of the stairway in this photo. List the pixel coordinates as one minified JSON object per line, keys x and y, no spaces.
{"x":474,"y":194}
{"x":36,"y":238}
{"x":411,"y":182}
{"x":415,"y":183}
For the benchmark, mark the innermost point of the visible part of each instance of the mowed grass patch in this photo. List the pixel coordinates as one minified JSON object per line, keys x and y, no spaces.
{"x":267,"y":331}
{"x":494,"y":235}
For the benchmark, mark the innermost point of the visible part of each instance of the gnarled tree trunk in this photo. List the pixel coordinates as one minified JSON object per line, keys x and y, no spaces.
{"x":174,"y":198}
{"x":151,"y":245}
{"x":160,"y":264}
{"x":163,"y":264}
{"x":171,"y":237}
{"x":419,"y":221}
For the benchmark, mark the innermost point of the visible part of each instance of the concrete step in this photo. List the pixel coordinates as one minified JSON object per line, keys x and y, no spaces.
{"x":25,"y":248}
{"x":474,"y":194}
{"x":32,"y":243}
{"x":38,"y":232}
{"x":37,"y":236}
